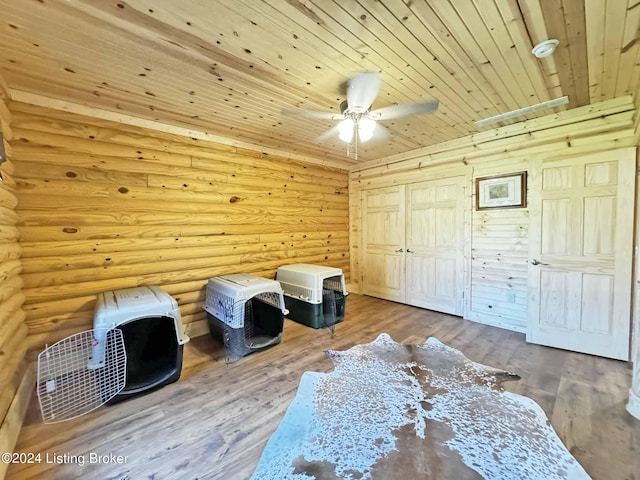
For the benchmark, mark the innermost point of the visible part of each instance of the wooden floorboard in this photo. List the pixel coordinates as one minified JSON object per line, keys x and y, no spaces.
{"x":214,"y":422}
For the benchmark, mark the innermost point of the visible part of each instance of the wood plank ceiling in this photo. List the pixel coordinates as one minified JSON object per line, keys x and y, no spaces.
{"x":229,"y":68}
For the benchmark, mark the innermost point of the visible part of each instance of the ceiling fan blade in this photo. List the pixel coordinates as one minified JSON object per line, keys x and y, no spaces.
{"x":362,"y":91}
{"x":404,"y":110}
{"x":319,"y":114}
{"x":329,"y":134}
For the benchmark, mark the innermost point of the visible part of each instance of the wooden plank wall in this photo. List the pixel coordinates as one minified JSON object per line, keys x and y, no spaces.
{"x":500,"y":251}
{"x":105,"y":206}
{"x":499,"y":246}
{"x":13,"y":331}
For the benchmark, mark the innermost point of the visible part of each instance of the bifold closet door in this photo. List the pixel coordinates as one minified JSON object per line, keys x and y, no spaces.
{"x":413,"y":244}
{"x":383,"y":239}
{"x":435,"y":245}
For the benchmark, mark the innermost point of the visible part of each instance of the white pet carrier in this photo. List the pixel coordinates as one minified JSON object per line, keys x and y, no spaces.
{"x":314,"y":294}
{"x":118,"y":307}
{"x":246,"y":312}
{"x":135,"y":345}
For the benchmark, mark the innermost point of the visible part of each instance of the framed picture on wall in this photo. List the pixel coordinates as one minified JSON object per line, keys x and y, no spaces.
{"x":502,"y":191}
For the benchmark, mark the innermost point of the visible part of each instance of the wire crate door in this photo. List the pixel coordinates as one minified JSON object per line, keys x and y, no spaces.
{"x":69,"y":385}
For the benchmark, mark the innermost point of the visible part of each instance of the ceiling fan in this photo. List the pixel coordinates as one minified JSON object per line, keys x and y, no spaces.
{"x":357,"y":123}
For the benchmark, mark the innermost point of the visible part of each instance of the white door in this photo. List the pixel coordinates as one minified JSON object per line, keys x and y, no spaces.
{"x":580,"y":255}
{"x":435,"y":244}
{"x":383,"y":243}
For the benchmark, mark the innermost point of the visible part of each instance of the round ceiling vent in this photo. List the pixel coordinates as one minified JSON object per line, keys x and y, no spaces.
{"x":546,"y":48}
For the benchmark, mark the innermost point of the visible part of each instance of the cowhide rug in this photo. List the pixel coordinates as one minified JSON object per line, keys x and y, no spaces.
{"x":392,"y":411}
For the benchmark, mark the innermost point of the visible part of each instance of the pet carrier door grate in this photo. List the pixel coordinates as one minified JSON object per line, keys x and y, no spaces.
{"x":262,"y":320}
{"x":68,"y":386}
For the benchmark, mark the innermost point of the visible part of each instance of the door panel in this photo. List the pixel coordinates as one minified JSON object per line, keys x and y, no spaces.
{"x":599,"y":317}
{"x":383,"y":237}
{"x":581,"y":253}
{"x":599,"y":222}
{"x":435,"y":244}
{"x":556,"y":211}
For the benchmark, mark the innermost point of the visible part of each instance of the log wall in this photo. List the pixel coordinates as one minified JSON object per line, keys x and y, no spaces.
{"x":15,"y":385}
{"x":105,"y":206}
{"x":497,"y":270}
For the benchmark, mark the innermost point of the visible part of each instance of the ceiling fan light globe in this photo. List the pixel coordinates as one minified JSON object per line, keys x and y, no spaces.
{"x":366,"y":126}
{"x":364,"y":136}
{"x":346,"y":137}
{"x":345,"y":130}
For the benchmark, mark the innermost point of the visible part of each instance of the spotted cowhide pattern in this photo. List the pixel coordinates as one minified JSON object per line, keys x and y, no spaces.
{"x":394,"y":411}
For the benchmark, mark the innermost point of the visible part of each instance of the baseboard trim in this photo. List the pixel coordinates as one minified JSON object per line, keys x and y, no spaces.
{"x":498,"y":323}
{"x":633,"y":406}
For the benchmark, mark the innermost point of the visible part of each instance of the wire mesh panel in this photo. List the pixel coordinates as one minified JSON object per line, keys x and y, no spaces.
{"x":298,"y":291}
{"x":262,"y":320}
{"x":67,"y":387}
{"x":333,"y":301}
{"x":334,"y":283}
{"x":271,"y":298}
{"x":234,"y":313}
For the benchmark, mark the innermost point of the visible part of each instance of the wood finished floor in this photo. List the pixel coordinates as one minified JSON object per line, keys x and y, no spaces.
{"x":214,"y":422}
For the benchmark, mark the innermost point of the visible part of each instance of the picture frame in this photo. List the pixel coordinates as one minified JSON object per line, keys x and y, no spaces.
{"x":502,"y":191}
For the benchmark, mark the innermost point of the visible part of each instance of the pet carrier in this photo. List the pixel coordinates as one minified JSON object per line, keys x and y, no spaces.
{"x":135,"y":346}
{"x":153,"y":333}
{"x":315,"y":295}
{"x":245,"y":312}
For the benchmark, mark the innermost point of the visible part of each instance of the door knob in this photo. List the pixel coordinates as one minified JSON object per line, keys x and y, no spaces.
{"x":536,"y":262}
{"x":400,"y":250}
{"x":409,"y":251}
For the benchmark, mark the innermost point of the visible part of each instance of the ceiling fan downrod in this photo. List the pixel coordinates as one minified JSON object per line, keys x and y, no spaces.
{"x":353,"y":144}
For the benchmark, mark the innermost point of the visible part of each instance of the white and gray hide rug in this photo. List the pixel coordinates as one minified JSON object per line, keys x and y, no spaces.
{"x":392,"y":411}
